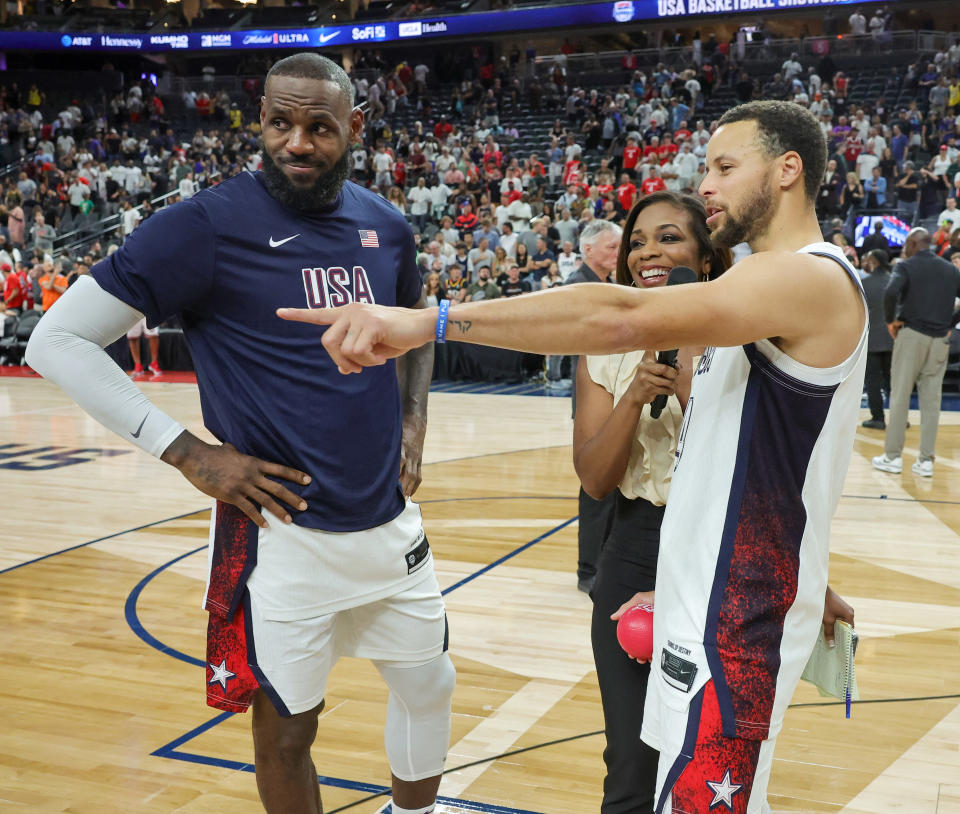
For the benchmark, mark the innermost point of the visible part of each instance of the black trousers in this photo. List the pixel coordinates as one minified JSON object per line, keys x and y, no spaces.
{"x":596,"y":517}
{"x":628,"y":563}
{"x":877,"y":378}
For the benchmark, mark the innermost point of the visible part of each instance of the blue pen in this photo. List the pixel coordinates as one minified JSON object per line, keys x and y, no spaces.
{"x":848,"y":698}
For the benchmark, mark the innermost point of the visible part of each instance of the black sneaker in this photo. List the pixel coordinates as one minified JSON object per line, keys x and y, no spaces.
{"x":874,"y":424}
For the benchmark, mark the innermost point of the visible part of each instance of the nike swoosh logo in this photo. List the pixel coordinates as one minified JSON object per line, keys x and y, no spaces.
{"x":137,"y":433}
{"x":275,"y":243}
{"x":328,"y":37}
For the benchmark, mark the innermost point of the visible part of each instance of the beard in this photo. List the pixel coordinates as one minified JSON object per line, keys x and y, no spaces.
{"x":305,"y":199}
{"x":751,"y":222}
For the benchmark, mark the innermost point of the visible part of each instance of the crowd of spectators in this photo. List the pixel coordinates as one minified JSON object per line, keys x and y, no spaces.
{"x":478,"y":200}
{"x":491,"y":216}
{"x":79,"y":177}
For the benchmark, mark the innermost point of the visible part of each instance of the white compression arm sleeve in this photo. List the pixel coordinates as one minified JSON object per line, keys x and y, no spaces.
{"x":67,"y":348}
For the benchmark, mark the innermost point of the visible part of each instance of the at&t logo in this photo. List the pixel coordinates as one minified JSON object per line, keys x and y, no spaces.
{"x":77,"y":42}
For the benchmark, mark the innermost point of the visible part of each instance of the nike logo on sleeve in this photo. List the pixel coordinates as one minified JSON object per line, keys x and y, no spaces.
{"x":275,"y":243}
{"x":137,"y":433}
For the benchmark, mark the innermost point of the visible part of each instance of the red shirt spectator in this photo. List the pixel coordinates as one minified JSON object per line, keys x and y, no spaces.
{"x":852,"y":148}
{"x":418,"y":162}
{"x":666,"y":152}
{"x":12,"y":289}
{"x":631,"y":155}
{"x":442,"y":129}
{"x":491,"y":159}
{"x":652,"y":185}
{"x":681,"y":135}
{"x":466,"y":221}
{"x":626,"y":193}
{"x":573,"y":172}
{"x":603,"y":189}
{"x":26,"y":286}
{"x":399,"y":173}
{"x":651,"y":149}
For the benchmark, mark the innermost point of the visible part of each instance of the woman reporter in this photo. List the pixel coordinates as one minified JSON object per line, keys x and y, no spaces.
{"x":618,"y":446}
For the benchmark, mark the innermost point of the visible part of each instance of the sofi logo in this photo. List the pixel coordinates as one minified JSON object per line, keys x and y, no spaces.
{"x":369,"y":32}
{"x":623,"y":11}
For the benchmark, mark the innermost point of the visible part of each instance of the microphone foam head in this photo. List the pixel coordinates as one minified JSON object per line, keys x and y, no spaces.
{"x":682,"y":274}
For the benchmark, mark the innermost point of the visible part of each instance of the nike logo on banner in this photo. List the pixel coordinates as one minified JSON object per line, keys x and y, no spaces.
{"x":275,"y":243}
{"x":327,"y":37}
{"x":137,"y":433}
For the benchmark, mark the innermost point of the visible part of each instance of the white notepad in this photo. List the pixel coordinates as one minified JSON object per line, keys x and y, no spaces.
{"x":832,"y":669}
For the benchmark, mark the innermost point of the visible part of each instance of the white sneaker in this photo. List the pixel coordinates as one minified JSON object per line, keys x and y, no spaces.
{"x":923,"y":468}
{"x":894,"y":465}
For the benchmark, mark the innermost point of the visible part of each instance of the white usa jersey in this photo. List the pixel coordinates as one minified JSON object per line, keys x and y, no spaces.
{"x":761,"y":460}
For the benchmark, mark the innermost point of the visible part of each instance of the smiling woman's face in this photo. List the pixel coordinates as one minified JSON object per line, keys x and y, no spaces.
{"x":661,"y":240}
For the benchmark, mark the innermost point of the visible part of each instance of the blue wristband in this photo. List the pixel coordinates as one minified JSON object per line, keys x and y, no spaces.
{"x":444,"y":309}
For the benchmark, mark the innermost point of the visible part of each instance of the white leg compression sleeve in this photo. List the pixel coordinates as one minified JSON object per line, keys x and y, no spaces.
{"x":417,"y":732}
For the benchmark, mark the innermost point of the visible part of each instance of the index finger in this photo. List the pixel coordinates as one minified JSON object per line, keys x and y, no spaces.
{"x":318,"y":316}
{"x":828,"y":632}
{"x":663,"y":371}
{"x":284,"y":472}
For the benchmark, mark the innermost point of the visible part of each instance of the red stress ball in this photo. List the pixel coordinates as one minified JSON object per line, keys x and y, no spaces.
{"x":635,"y":632}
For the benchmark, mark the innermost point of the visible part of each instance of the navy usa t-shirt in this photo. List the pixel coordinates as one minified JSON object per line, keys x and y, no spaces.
{"x":224,"y":261}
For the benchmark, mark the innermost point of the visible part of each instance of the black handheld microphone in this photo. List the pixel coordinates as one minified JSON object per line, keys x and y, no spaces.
{"x":678,"y":276}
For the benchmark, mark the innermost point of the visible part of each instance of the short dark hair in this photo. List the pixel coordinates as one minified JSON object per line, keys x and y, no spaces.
{"x":882,"y":258}
{"x":313,"y":66}
{"x":783,"y":127}
{"x":720,"y":258}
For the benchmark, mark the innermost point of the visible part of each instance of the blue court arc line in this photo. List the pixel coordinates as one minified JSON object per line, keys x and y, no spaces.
{"x":136,"y":626}
{"x":507,"y":556}
{"x":171,"y":751}
{"x":133,"y":619}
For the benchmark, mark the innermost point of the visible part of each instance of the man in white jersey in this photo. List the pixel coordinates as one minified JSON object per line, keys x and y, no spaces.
{"x":762,"y":455}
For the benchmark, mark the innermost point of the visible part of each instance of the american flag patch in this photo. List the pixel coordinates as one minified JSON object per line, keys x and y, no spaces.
{"x":368,"y":238}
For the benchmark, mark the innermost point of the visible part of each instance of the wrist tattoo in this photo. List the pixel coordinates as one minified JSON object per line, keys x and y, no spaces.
{"x":463,"y":325}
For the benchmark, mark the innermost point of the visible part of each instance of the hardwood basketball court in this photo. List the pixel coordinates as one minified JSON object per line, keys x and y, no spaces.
{"x":102,"y":569}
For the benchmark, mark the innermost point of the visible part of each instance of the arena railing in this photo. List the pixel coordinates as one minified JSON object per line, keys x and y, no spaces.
{"x":104,"y":227}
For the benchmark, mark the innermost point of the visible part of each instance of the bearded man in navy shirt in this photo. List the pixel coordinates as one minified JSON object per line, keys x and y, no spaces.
{"x":316,"y":550}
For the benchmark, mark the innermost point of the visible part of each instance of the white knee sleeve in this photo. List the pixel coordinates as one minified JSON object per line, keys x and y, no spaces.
{"x":417,"y":732}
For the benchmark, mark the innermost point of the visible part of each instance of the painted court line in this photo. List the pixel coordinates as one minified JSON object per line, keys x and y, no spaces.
{"x":496,"y":733}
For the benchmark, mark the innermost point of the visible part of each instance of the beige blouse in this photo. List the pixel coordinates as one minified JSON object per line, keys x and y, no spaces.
{"x":652,"y":453}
